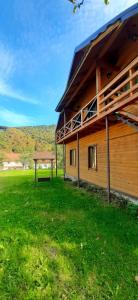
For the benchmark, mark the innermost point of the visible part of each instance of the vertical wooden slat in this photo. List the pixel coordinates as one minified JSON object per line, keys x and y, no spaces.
{"x":107,"y":157}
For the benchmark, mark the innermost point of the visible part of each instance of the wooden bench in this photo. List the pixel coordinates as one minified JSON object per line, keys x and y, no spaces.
{"x":43,"y":179}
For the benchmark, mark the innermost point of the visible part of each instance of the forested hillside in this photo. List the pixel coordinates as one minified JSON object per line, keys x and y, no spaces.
{"x":27,"y":139}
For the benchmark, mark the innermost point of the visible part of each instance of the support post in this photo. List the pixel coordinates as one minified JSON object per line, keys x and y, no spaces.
{"x":51,"y":168}
{"x":78,"y":159}
{"x":64,"y":160}
{"x":35,"y":170}
{"x":108,"y":157}
{"x":56,"y":160}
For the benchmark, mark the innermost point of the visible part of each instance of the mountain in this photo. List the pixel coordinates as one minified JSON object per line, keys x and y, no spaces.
{"x":27,"y":139}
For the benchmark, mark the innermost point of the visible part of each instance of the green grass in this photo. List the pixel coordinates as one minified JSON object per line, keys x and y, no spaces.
{"x":59,"y":242}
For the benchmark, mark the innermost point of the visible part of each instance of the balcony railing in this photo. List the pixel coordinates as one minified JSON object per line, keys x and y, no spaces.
{"x":88,"y":112}
{"x":121,"y":91}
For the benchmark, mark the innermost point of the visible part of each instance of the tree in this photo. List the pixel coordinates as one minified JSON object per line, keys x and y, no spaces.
{"x":1,"y":158}
{"x":27,"y":160}
{"x":78,"y":3}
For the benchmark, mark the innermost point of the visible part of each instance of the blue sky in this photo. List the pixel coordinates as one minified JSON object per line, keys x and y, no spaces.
{"x":37,"y":41}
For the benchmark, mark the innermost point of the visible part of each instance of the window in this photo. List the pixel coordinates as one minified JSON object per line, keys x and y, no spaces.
{"x":73,"y":157}
{"x":92,"y":157}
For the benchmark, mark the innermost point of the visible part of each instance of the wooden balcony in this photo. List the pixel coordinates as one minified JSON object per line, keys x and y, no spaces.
{"x":120,"y":92}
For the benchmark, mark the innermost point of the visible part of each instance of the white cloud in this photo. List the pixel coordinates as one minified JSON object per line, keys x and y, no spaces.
{"x":12,"y":118}
{"x":7,"y":91}
{"x":8,"y":65}
{"x":7,"y":62}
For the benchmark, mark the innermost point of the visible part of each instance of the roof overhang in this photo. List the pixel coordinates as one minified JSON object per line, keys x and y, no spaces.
{"x":85,"y":52}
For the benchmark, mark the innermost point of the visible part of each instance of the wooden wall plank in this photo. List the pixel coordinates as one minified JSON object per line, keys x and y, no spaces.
{"x":123,"y":159}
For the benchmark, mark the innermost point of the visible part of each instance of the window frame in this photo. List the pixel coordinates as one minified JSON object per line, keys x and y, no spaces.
{"x":70,"y":158}
{"x":89,"y":167}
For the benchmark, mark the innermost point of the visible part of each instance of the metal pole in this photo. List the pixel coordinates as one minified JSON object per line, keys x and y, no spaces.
{"x":108,"y":157}
{"x":78,"y":158}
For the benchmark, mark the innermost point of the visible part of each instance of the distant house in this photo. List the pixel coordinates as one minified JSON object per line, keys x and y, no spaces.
{"x":12,"y":161}
{"x":98,"y":120}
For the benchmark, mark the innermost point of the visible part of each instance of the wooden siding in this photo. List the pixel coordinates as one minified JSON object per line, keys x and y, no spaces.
{"x":123,"y":159}
{"x":71,"y":170}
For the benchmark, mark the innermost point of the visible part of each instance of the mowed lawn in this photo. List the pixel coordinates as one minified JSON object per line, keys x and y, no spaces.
{"x":59,"y":242}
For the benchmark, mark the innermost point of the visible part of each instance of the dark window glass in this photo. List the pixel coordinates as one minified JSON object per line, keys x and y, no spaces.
{"x":73,"y":157}
{"x":92,"y":157}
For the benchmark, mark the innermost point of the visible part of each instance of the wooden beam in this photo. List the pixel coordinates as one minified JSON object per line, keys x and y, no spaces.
{"x":64,"y":117}
{"x":112,"y":39}
{"x":78,"y":159}
{"x":120,"y":105}
{"x":128,"y":115}
{"x":93,"y":43}
{"x":81,"y":82}
{"x":107,"y":158}
{"x":98,"y":79}
{"x":105,"y":64}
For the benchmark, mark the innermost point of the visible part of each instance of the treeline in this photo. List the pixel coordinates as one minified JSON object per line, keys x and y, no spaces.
{"x":27,"y":140}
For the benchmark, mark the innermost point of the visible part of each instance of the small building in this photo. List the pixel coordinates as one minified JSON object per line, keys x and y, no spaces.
{"x":98,"y":113}
{"x":44,"y":159}
{"x":11,"y":161}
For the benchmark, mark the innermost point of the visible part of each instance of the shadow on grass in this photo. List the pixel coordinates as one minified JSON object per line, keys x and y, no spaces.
{"x":58,"y":242}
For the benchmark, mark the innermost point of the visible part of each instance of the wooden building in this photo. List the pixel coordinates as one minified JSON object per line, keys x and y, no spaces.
{"x":12,"y":161}
{"x":98,"y":120}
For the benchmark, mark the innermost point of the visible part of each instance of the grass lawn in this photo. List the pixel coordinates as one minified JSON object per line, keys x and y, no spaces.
{"x":59,"y":242}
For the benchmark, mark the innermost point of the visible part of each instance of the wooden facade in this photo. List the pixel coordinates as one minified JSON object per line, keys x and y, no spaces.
{"x":123,"y":159}
{"x":100,"y":107}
